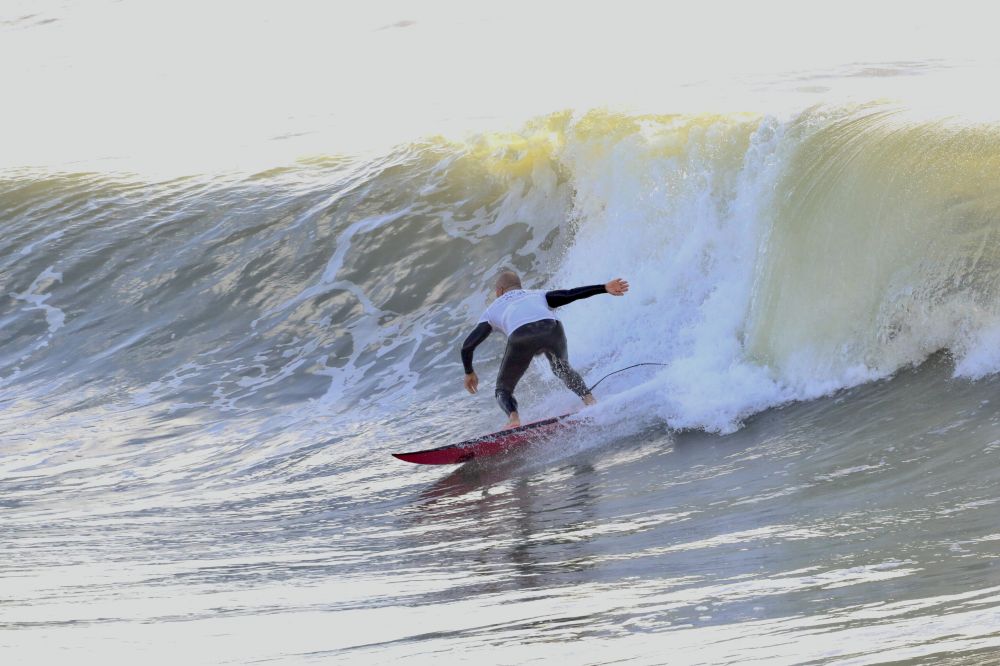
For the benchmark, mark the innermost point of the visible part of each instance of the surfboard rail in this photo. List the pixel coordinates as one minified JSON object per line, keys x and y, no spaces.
{"x":493,"y":444}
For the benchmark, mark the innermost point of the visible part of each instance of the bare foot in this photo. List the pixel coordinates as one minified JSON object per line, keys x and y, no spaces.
{"x":589,"y":400}
{"x":513,"y":422}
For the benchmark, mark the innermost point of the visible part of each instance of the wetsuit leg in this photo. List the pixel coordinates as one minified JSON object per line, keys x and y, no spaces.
{"x":558,"y":354}
{"x":516,"y":359}
{"x":546,"y":336}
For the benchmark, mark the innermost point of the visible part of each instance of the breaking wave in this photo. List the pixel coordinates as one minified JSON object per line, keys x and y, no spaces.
{"x":772,"y":259}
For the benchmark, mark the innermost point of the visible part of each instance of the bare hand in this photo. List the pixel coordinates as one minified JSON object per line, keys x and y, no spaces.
{"x":617,"y":287}
{"x":471,"y":382}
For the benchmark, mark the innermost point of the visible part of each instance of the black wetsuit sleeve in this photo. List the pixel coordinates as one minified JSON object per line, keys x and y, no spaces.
{"x":479,"y":333}
{"x":561,"y":297}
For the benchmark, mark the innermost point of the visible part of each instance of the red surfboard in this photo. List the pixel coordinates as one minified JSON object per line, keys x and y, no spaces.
{"x":494,"y":444}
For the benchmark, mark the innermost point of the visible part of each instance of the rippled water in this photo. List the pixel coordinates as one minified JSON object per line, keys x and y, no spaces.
{"x":858,"y":528}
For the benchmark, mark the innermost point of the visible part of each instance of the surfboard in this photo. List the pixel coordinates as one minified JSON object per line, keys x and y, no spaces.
{"x":493,"y":444}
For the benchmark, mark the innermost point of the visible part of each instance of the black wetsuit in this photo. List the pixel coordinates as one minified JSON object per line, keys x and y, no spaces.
{"x":545,"y":336}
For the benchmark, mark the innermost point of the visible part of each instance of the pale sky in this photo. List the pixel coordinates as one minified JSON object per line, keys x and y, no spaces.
{"x":206,"y":83}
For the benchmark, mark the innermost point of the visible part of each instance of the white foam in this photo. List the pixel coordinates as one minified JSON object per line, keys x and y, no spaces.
{"x":676,"y":211}
{"x":762,"y":271}
{"x":34,"y":296}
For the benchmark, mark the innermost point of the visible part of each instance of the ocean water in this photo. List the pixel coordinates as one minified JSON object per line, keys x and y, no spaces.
{"x":204,"y":370}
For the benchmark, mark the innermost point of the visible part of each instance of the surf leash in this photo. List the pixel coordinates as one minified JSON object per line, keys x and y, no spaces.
{"x":622,"y":370}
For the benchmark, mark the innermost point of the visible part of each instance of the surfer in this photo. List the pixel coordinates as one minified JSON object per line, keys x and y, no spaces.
{"x":528,"y":318}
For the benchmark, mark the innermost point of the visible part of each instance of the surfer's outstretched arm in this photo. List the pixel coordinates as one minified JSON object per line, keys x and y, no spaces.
{"x":561,"y":297}
{"x":479,"y":333}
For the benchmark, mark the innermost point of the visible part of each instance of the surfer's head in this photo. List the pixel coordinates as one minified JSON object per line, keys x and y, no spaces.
{"x":507,"y":280}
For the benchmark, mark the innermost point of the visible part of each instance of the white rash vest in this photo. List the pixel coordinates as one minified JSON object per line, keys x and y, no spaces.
{"x":516,"y":308}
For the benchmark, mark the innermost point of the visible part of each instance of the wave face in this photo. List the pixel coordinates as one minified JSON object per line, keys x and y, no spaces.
{"x":782,"y":261}
{"x":771,"y":261}
{"x":201,"y":380}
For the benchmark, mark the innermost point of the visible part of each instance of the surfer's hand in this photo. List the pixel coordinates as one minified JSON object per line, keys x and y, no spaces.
{"x":471,"y":382}
{"x":617,"y":287}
